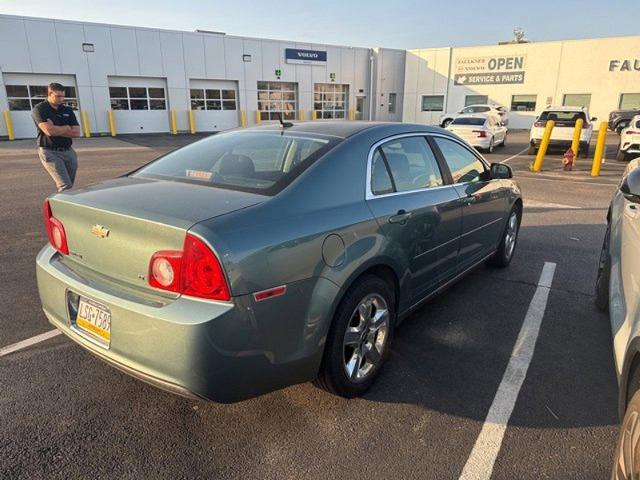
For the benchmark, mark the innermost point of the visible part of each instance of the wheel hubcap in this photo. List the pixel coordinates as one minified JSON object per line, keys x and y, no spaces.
{"x":511,"y":235}
{"x":366,"y":337}
{"x":628,"y":461}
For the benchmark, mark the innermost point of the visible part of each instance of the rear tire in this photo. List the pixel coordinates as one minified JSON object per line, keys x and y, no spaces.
{"x":628,"y":444}
{"x":532,"y":150}
{"x":504,"y":141}
{"x":359,"y":339}
{"x":621,"y":156}
{"x":507,"y":247}
{"x":446,"y":122}
{"x":604,"y":274}
{"x":490,"y":149}
{"x":583,"y":150}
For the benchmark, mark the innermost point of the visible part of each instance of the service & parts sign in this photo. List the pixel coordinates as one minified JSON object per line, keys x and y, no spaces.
{"x":494,"y":70}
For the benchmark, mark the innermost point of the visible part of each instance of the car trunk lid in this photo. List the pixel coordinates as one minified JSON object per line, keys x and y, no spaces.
{"x":115,"y":227}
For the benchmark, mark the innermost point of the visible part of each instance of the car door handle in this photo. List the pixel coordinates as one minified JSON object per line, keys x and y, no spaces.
{"x":401,"y":217}
{"x":468,"y":200}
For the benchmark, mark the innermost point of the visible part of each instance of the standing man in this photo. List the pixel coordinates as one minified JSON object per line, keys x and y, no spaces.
{"x":57,"y":125}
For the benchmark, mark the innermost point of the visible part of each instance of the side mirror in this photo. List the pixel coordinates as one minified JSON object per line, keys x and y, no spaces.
{"x":500,"y":170}
{"x":630,"y":186}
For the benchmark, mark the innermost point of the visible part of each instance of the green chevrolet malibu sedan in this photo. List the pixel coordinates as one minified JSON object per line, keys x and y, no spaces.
{"x":256,"y":259}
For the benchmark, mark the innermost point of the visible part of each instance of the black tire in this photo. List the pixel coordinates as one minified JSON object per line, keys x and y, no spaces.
{"x":446,"y":122}
{"x":504,"y":253}
{"x":621,"y":156}
{"x":504,"y":141}
{"x":532,"y":150}
{"x":491,"y":146}
{"x":604,"y":274}
{"x":583,"y":150}
{"x":627,"y":435}
{"x":333,"y":375}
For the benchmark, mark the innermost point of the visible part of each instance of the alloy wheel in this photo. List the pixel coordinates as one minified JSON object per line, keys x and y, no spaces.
{"x":511,"y":235}
{"x":366,"y":337}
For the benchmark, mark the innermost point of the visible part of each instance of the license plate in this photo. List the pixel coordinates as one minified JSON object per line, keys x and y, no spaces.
{"x":94,"y":319}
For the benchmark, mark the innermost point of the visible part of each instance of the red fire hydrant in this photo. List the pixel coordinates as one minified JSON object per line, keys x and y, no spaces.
{"x":567,"y":160}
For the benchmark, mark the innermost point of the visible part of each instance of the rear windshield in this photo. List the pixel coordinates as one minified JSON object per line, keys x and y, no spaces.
{"x":562,"y":119}
{"x":468,"y":121}
{"x":258,"y":162}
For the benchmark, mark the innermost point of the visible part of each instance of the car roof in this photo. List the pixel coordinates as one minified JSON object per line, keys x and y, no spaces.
{"x":475,"y":115}
{"x":338,"y":128}
{"x":483,"y":105}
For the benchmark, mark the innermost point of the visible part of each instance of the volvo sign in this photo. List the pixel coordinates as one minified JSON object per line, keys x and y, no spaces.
{"x":313,"y":57}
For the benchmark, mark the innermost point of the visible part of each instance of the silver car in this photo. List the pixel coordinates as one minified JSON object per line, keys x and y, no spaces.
{"x":618,"y":291}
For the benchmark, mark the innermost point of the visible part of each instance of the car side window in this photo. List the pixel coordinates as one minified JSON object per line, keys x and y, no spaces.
{"x":380,"y":178}
{"x":464,"y":165}
{"x":412,"y":164}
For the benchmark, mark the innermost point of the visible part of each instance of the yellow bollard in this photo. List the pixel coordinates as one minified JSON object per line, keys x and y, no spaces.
{"x":112,"y":122}
{"x":314,"y":115}
{"x":7,"y":120}
{"x":544,"y":144}
{"x":192,"y":122}
{"x":243,"y":119}
{"x":174,"y":123}
{"x":597,"y":158}
{"x":258,"y":119}
{"x":85,"y":123}
{"x":575,"y":144}
{"x":301,"y":115}
{"x":352,"y":115}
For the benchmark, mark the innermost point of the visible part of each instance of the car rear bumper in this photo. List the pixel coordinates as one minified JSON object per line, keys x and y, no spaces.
{"x":221,"y":351}
{"x":555,"y":142}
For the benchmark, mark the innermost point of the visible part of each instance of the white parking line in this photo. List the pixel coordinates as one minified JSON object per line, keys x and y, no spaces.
{"x":514,"y":156}
{"x":28,"y":342}
{"x":480,"y":463}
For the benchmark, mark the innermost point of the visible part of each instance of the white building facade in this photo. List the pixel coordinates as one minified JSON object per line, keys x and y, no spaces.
{"x":600,"y":74}
{"x":212,"y":81}
{"x":141,"y":75}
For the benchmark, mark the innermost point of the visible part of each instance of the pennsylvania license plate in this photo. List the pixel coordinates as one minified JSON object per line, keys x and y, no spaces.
{"x":94,"y":319}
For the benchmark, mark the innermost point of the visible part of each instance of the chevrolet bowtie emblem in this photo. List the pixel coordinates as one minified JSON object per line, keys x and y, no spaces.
{"x":100,"y":231}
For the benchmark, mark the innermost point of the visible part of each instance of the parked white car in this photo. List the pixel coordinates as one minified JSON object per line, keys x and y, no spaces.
{"x":501,"y":112}
{"x":630,"y":140}
{"x":480,"y":130}
{"x":565,"y":119}
{"x":618,"y":294}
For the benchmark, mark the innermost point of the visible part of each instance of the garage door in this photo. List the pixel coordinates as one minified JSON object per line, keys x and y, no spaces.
{"x":139,"y":104}
{"x":215,"y":104}
{"x":24,"y":91}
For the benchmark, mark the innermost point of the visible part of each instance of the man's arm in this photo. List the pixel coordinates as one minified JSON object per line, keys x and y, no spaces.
{"x":52,"y":130}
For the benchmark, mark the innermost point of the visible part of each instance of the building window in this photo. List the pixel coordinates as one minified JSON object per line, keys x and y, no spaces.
{"x":137,"y":98}
{"x":432,"y":103}
{"x":629,"y":101}
{"x":523,"y":103}
{"x":576,"y":100}
{"x":392,"y":103}
{"x":277,"y":98}
{"x":213,"y":99}
{"x":330,"y":100}
{"x":476,"y":100}
{"x":25,"y":97}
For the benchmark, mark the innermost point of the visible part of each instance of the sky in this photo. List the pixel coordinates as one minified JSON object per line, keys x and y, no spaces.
{"x":401,"y":24}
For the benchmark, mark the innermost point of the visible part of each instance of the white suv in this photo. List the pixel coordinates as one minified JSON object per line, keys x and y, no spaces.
{"x":562,"y":135}
{"x":630,"y":140}
{"x":497,"y":110}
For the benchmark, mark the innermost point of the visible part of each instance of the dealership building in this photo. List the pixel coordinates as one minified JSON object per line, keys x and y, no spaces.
{"x":140,"y":80}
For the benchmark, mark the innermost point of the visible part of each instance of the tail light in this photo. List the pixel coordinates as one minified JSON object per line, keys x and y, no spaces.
{"x":194,"y":271}
{"x":631,"y":132}
{"x":55,"y":230}
{"x":481,"y":133}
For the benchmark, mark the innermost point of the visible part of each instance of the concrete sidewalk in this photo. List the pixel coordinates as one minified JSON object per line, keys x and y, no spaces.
{"x":28,"y":146}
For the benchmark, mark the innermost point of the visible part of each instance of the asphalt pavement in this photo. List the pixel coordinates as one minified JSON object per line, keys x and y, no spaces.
{"x":64,"y":414}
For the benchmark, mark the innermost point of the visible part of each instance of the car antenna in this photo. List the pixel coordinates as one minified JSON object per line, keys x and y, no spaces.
{"x":283,"y":124}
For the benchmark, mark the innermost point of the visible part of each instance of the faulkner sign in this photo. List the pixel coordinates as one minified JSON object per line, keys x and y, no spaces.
{"x":627,"y":65}
{"x":313,"y":57}
{"x":489,"y":70}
